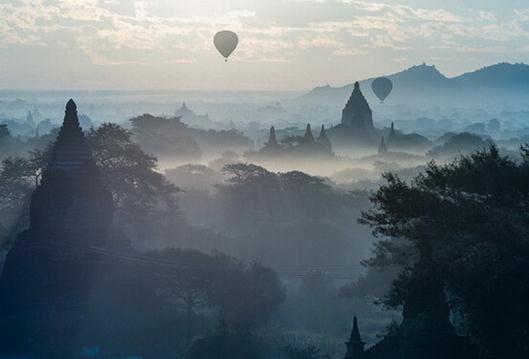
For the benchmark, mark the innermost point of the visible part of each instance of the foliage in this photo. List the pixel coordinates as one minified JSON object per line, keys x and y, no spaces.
{"x":474,"y":212}
{"x":290,"y":218}
{"x":170,"y":137}
{"x":246,"y":295}
{"x":225,"y":344}
{"x":461,"y":143}
{"x":141,"y":194}
{"x":18,"y":177}
{"x":309,"y":352}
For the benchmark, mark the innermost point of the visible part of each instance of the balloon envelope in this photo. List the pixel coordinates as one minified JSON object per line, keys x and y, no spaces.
{"x":382,"y":87}
{"x":225,"y":42}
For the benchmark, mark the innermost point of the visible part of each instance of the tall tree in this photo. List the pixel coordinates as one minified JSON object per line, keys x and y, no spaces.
{"x":474,"y":212}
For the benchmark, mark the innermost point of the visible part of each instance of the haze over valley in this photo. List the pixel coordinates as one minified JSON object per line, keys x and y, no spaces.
{"x":289,"y":179}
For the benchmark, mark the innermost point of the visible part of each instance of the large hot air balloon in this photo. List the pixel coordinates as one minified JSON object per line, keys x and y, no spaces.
{"x":225,"y":42}
{"x":382,"y":87}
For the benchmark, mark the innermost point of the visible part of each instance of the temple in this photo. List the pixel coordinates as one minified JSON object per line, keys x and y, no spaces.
{"x":356,"y":127}
{"x":308,"y":137}
{"x":71,"y":194}
{"x":382,"y":148}
{"x":323,"y":139}
{"x":355,"y":345}
{"x":272,"y":139}
{"x":52,"y":273}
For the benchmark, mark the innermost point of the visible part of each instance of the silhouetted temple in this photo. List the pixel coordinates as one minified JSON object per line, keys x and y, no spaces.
{"x":272,"y":139}
{"x":357,"y":114}
{"x":308,"y":137}
{"x":323,"y":139}
{"x":356,"y":125}
{"x":71,"y":195}
{"x":382,"y":148}
{"x":48,"y":280}
{"x":355,"y":345}
{"x":425,"y":331}
{"x":306,"y":146}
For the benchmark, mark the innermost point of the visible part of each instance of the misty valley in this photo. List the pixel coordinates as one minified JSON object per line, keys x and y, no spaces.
{"x":324,"y":224}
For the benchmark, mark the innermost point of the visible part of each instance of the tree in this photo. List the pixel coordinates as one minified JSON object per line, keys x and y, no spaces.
{"x":193,"y":281}
{"x":188,"y":282}
{"x":143,"y":198}
{"x":473,"y":211}
{"x":247,"y":295}
{"x":18,"y":177}
{"x":309,"y":352}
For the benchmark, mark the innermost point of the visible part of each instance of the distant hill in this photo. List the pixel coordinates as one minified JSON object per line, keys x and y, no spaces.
{"x":424,"y":84}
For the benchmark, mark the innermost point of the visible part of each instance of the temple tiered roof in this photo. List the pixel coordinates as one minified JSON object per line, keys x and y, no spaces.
{"x":71,"y":193}
{"x":70,"y":150}
{"x":357,"y":113}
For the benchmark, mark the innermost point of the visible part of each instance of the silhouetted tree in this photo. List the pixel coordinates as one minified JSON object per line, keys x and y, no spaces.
{"x":474,"y":212}
{"x":142,"y":196}
{"x":309,"y":352}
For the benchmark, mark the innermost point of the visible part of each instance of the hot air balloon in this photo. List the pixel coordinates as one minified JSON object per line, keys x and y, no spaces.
{"x":382,"y":87}
{"x":225,"y":42}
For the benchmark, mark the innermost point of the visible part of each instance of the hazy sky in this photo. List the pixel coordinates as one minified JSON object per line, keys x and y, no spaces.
{"x":284,"y":44}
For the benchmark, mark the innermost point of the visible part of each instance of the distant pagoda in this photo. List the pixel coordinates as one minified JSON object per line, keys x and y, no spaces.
{"x":382,"y":148}
{"x":323,"y":139}
{"x":357,"y":114}
{"x":356,"y":126}
{"x":308,"y":137}
{"x":272,"y":138}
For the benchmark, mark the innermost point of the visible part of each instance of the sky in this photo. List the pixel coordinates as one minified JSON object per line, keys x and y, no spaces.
{"x":284,"y":44}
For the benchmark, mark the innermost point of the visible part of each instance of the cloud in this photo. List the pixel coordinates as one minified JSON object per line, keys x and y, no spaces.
{"x":146,"y":36}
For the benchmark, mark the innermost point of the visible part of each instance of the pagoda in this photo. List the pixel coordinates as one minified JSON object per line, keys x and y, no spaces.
{"x":323,"y":139}
{"x":54,"y":269}
{"x":356,"y":126}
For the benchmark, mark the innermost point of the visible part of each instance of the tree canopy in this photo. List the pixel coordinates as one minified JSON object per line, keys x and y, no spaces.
{"x":473,"y":211}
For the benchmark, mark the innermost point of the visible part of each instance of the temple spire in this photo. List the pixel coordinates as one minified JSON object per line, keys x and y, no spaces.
{"x":382,"y":148}
{"x":357,"y":114}
{"x":308,"y":137}
{"x":355,"y":345}
{"x":323,"y":139}
{"x":391,"y":135}
{"x":272,"y":139}
{"x":71,"y":193}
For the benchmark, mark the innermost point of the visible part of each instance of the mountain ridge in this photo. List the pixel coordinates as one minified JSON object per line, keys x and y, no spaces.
{"x":425,"y":83}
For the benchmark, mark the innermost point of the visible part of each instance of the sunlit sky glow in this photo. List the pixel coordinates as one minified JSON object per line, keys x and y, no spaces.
{"x":284,"y":44}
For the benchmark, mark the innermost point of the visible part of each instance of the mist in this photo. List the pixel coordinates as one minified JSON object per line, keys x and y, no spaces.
{"x":242,"y":180}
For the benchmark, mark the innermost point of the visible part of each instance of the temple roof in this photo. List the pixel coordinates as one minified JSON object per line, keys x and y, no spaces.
{"x":357,"y":102}
{"x":324,"y":139}
{"x":355,"y":334}
{"x":70,"y":148}
{"x":357,"y":112}
{"x":308,"y":137}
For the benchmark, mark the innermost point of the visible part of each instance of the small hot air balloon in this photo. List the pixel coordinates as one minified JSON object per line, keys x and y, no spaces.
{"x":382,"y":87}
{"x":225,"y":42}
